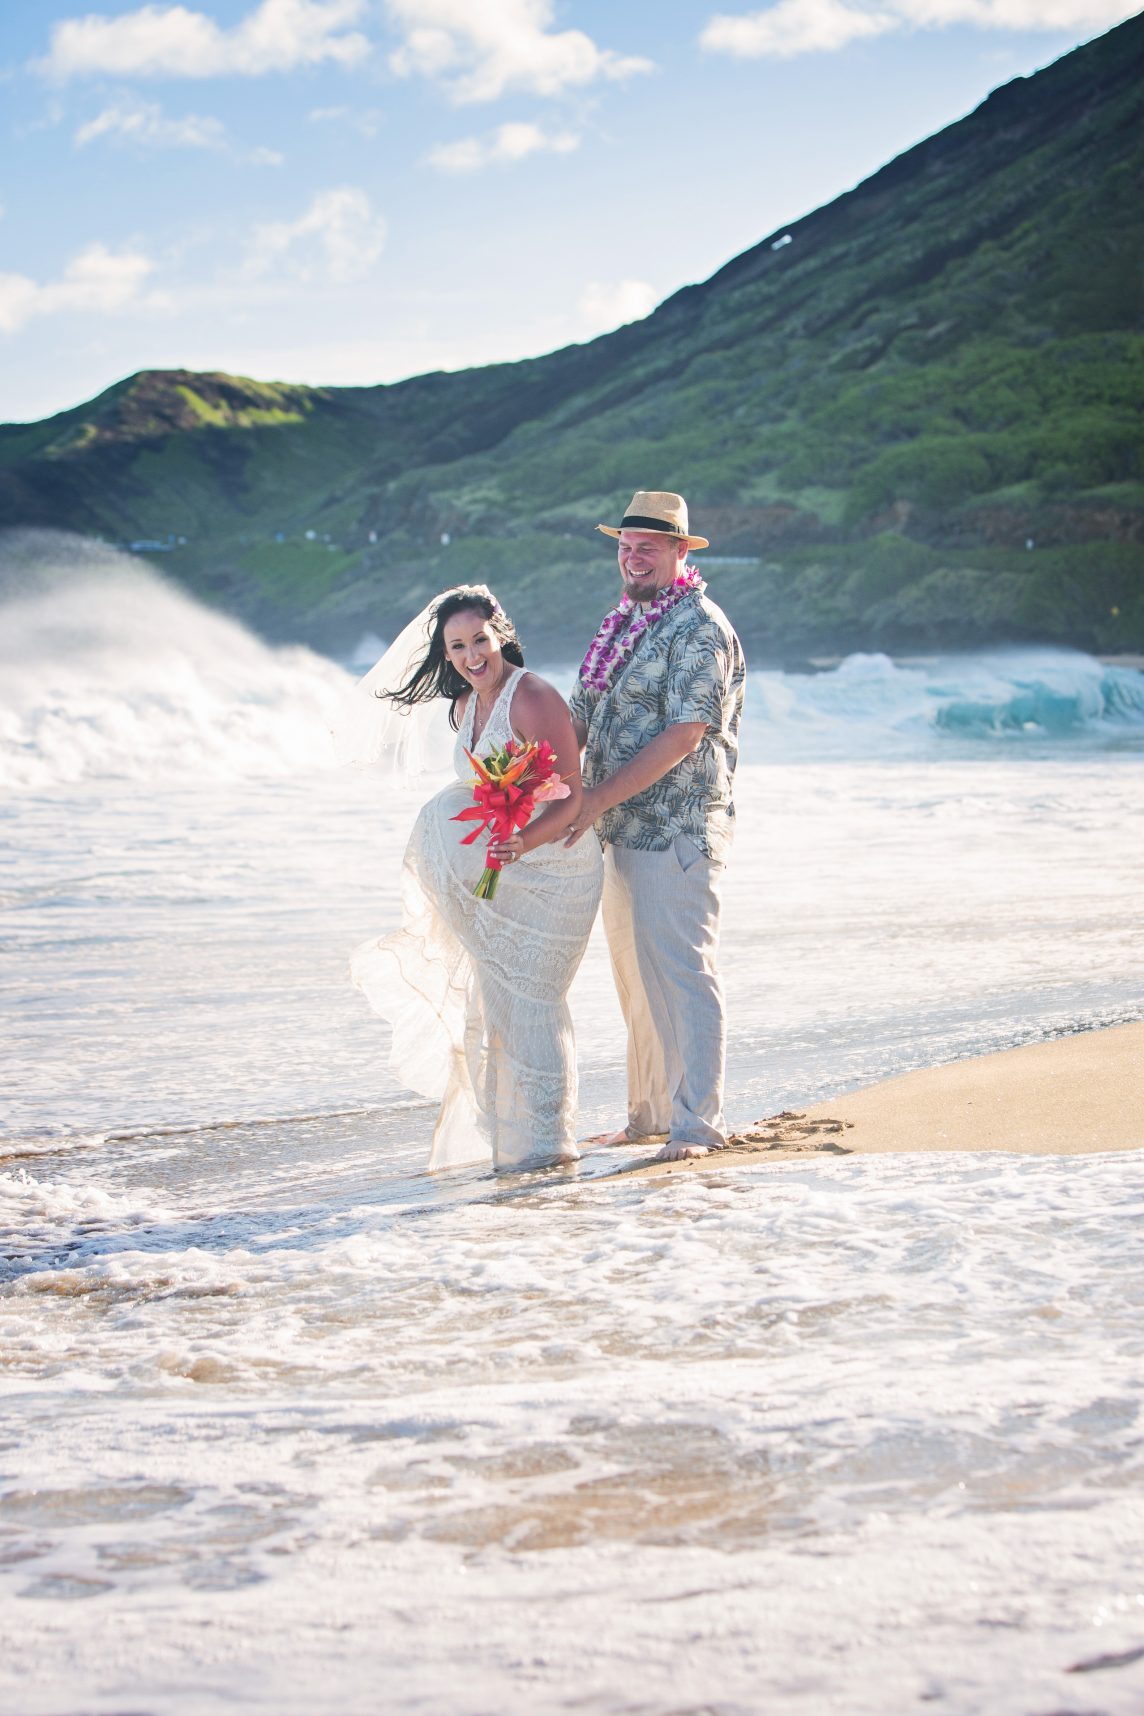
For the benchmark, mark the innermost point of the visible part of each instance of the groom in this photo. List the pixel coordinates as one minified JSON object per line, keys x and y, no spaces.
{"x":657,"y":708}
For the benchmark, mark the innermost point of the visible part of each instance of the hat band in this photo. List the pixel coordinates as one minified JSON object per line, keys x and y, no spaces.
{"x":636,"y":521}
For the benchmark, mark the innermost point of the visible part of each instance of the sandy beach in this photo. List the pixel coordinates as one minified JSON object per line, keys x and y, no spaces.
{"x":1072,"y":1096}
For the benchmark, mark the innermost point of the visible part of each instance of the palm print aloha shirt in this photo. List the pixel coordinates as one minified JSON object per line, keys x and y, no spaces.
{"x":687,"y":667}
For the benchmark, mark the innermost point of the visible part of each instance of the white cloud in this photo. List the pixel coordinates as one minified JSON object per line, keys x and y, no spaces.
{"x":143,"y":122}
{"x":171,"y":41}
{"x":97,"y":279}
{"x":1017,"y":14}
{"x":792,"y":27}
{"x":506,"y":143}
{"x":366,"y":122}
{"x":17,"y":301}
{"x":481,"y":48}
{"x":602,"y":307}
{"x":338,"y":239}
{"x":822,"y":26}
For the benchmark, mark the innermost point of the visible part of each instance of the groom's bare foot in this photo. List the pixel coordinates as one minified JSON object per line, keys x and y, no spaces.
{"x":677,"y":1150}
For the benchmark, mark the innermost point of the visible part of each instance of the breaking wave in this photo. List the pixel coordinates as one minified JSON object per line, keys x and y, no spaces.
{"x":871,"y":706}
{"x":109,"y":671}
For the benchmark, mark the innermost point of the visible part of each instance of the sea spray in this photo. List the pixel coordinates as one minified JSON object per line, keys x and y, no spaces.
{"x":111,"y":672}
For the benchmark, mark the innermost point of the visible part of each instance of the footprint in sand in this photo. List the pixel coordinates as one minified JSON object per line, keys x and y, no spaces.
{"x":791,"y":1131}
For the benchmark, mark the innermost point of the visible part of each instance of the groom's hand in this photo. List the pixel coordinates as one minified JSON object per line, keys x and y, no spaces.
{"x":585,"y":816}
{"x":649,"y":765}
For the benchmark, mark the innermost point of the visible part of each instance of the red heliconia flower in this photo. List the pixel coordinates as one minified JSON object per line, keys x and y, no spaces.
{"x":510,"y":784}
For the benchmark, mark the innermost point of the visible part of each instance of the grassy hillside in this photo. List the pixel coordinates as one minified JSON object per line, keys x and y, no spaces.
{"x":873,"y":413}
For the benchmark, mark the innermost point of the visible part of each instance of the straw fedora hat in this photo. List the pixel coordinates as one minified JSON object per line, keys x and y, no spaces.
{"x":651,"y":509}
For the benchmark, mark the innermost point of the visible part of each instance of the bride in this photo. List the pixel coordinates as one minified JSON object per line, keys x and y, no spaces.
{"x":476,"y":990}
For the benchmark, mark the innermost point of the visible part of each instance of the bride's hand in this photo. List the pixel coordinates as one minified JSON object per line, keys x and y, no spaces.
{"x":508,"y":851}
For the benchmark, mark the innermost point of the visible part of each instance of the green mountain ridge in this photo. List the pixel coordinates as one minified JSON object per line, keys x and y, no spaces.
{"x":873,"y":413}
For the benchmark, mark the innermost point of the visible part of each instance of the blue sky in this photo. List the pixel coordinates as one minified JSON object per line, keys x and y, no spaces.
{"x":352,"y":191}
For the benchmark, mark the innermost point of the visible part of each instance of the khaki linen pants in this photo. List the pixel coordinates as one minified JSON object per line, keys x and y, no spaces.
{"x":661,"y":916}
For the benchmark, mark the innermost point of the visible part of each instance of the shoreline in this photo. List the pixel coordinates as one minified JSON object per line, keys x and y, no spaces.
{"x":1070,"y":1096}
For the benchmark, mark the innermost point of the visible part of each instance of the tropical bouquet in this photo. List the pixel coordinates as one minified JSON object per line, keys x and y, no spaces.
{"x":510,"y":784}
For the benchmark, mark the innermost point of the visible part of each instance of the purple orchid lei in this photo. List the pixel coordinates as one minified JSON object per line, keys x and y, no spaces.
{"x":607,"y":651}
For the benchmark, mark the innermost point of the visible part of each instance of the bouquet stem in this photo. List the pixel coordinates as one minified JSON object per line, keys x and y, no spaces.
{"x":487,"y":886}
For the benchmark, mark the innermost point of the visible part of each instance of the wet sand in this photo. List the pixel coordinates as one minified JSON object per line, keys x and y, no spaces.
{"x":1069,"y":1097}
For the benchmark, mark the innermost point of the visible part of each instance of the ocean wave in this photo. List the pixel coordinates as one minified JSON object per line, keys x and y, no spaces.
{"x":110,"y":672}
{"x":871,"y":705}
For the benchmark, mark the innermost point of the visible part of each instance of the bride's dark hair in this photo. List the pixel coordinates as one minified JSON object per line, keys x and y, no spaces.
{"x":435,"y":675}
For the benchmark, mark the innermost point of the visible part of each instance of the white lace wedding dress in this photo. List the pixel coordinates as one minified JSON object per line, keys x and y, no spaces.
{"x":476,"y":990}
